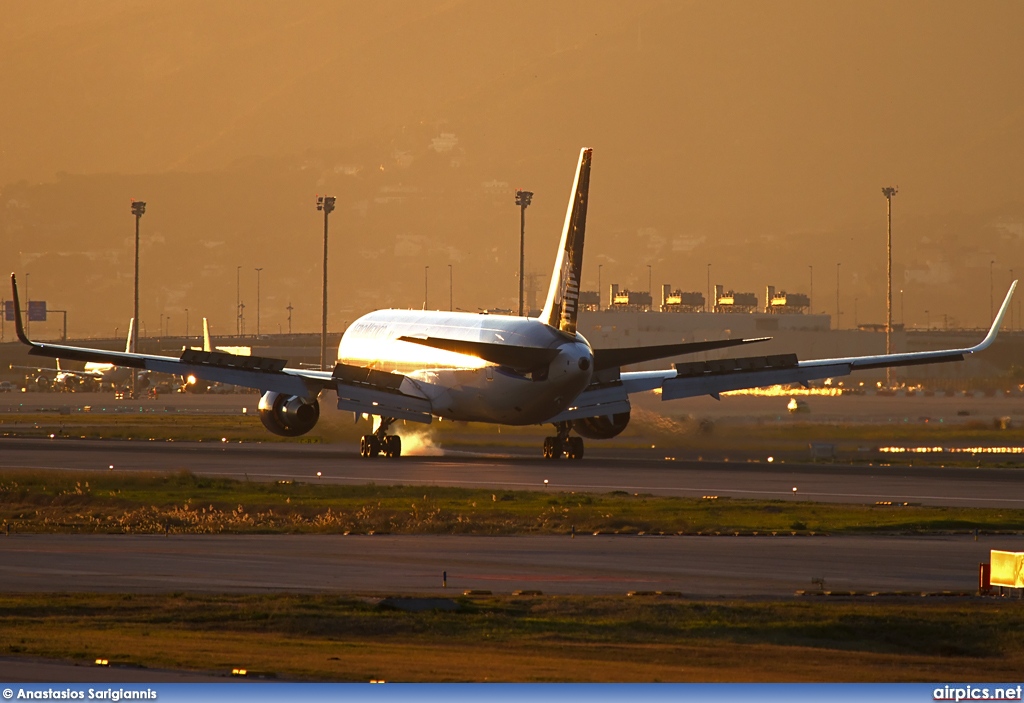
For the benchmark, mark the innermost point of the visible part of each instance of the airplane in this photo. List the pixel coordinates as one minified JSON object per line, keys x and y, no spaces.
{"x":93,"y":374}
{"x":416,"y":365}
{"x":191,"y":383}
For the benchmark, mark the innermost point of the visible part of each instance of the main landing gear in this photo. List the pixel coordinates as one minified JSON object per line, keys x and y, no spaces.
{"x":562,"y":444}
{"x":380,"y":442}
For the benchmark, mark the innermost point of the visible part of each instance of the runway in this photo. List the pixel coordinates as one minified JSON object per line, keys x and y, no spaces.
{"x":381,"y":564}
{"x":636,"y":471}
{"x":697,"y":566}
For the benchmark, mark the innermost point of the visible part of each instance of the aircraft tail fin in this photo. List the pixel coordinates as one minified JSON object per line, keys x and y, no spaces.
{"x":562,"y":304}
{"x":206,"y":336}
{"x":128,"y":344}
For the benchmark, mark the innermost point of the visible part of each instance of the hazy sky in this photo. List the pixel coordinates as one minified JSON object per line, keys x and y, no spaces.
{"x":752,"y":136}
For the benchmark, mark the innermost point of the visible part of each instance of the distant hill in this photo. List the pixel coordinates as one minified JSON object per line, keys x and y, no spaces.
{"x":755,"y":138}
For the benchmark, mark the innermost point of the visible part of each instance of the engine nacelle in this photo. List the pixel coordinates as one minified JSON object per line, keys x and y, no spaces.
{"x":288,"y":415}
{"x":601,"y":427}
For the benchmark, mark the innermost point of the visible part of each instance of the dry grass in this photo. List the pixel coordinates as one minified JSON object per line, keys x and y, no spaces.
{"x":532,"y":639}
{"x":182,"y":503}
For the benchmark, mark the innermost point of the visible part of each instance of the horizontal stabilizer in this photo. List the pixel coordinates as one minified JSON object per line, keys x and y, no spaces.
{"x":613,"y":358}
{"x":502,"y":354}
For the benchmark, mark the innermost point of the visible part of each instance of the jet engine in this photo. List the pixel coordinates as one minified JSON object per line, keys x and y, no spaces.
{"x":601,"y":427}
{"x":288,"y":415}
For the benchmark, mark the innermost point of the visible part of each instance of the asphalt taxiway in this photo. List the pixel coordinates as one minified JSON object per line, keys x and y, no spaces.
{"x":745,"y":566}
{"x":638,"y":471}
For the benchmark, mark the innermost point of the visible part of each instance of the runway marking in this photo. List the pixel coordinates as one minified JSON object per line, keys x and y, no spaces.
{"x":556,"y":579}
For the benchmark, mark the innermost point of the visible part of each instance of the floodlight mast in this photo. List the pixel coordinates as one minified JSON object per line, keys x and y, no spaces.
{"x":888,"y":192}
{"x":258,"y":301}
{"x":138,"y":210}
{"x":326,"y":204}
{"x":523,"y":200}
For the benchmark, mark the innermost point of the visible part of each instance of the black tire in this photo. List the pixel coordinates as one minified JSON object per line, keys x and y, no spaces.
{"x":557,"y":448}
{"x":576,"y":448}
{"x":396,"y":446}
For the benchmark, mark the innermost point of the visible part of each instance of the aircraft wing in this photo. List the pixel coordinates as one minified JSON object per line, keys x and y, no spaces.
{"x":359,"y":389}
{"x":721,"y":375}
{"x":42,"y":370}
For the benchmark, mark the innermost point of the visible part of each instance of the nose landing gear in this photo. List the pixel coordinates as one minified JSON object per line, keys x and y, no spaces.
{"x":372,"y":445}
{"x":562,"y":444}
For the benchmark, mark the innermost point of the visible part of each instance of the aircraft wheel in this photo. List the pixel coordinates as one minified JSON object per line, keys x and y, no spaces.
{"x":554,"y":448}
{"x":575,"y":448}
{"x":392,"y":446}
{"x":369,"y":446}
{"x":549,"y":452}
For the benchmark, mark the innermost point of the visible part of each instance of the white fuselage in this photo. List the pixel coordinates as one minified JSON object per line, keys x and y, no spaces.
{"x":462,"y":387}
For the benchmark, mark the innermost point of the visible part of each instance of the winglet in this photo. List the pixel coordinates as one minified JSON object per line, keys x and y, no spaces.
{"x":19,"y":326}
{"x":129,"y":348}
{"x":997,"y":323}
{"x":562,"y":302}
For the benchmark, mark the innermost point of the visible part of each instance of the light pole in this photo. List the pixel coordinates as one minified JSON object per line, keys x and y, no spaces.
{"x":289,"y":309}
{"x":258,"y":302}
{"x":888,"y":192}
{"x":238,"y":301}
{"x":927,"y":320}
{"x":810,"y":296}
{"x":599,"y":266}
{"x":138,"y":210}
{"x":523,"y":200}
{"x":325,"y":203}
{"x":903,"y":320}
{"x":707,"y":300}
{"x":450,"y":306}
{"x":426,"y":280}
{"x":186,"y":323}
{"x":838,"y":264}
{"x":650,"y":287}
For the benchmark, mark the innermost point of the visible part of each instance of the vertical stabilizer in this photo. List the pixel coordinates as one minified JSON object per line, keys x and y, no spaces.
{"x":206,"y":335}
{"x":128,"y":344}
{"x":562,"y":303}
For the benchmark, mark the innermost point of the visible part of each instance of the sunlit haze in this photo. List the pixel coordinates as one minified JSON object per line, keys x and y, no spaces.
{"x":754,"y":137}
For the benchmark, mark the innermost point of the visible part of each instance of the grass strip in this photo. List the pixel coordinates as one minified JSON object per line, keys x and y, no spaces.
{"x":563,"y":638}
{"x":183,"y":503}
